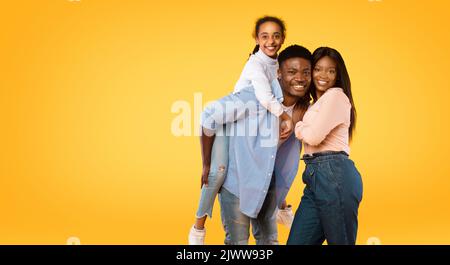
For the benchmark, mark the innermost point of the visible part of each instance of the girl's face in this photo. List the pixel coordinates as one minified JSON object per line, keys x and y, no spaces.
{"x":270,"y":38}
{"x":324,"y":74}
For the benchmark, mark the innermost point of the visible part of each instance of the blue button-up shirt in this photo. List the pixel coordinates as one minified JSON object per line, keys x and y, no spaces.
{"x":254,"y":156}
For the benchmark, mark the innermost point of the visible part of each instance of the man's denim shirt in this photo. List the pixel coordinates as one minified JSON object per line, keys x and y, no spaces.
{"x":254,"y":155}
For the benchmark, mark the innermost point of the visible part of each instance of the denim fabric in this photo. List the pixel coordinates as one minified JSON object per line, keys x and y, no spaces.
{"x":217,"y":173}
{"x":329,"y":207}
{"x":237,"y":224}
{"x":253,"y":148}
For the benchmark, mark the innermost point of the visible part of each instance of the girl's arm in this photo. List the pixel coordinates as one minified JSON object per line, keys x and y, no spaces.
{"x":263,"y":92}
{"x":288,"y":125}
{"x":263,"y":89}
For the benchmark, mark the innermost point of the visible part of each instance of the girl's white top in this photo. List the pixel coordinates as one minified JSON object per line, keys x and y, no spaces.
{"x":259,"y":72}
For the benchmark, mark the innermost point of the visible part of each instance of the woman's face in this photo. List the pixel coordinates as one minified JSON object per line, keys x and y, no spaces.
{"x":324,"y":74}
{"x":270,"y":38}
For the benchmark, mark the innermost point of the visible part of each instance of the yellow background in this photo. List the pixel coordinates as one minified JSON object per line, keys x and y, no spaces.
{"x":86,"y":91}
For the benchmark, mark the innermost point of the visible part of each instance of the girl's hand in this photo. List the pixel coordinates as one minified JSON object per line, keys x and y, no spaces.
{"x":286,"y":128}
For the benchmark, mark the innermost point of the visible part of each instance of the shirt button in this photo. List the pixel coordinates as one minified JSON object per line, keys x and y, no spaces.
{"x":273,"y":156}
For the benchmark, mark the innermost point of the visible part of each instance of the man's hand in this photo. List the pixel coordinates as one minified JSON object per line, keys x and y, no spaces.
{"x":205,"y":174}
{"x":206,"y":143}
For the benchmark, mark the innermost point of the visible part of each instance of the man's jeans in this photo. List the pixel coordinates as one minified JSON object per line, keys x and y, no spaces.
{"x":329,"y":206}
{"x":237,"y":224}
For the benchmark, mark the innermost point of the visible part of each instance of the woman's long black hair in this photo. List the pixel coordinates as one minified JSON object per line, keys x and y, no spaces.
{"x":342,"y":80}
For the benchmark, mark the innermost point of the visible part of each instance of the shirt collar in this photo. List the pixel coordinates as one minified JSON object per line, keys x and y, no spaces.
{"x":266,"y":59}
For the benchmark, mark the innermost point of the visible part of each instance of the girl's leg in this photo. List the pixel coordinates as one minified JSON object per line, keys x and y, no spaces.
{"x":200,"y":223}
{"x":216,"y":177}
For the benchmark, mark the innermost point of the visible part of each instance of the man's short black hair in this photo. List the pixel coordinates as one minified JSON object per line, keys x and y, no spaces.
{"x":292,"y":52}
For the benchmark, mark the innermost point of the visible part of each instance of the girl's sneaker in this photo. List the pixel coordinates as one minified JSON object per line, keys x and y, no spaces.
{"x":196,"y":236}
{"x":285,"y":216}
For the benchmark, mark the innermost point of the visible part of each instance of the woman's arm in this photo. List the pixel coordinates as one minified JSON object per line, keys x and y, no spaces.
{"x":335,"y":110}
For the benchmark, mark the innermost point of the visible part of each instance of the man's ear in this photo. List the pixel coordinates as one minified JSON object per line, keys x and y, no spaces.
{"x":279,"y":73}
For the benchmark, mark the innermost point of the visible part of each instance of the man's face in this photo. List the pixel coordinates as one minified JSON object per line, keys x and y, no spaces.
{"x":295,"y":76}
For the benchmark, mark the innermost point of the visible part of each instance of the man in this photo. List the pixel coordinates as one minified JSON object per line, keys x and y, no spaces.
{"x":261,"y":166}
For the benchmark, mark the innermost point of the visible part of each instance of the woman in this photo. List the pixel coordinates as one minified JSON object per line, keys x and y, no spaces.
{"x":329,"y":206}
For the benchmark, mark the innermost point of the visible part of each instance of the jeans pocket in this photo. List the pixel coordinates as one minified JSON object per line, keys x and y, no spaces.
{"x":308,"y":175}
{"x":332,"y":171}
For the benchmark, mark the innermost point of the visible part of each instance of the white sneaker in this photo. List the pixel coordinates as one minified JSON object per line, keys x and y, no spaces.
{"x":285,"y":216}
{"x":196,"y":236}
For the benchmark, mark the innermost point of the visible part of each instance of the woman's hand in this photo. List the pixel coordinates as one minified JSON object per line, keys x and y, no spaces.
{"x":298,"y":130}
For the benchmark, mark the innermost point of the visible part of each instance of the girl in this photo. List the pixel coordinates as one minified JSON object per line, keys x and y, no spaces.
{"x":329,"y":206}
{"x":259,"y":71}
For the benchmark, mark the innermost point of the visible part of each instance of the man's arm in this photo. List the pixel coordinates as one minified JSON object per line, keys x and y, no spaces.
{"x":227,"y":109}
{"x":206,"y":143}
{"x":298,"y":113}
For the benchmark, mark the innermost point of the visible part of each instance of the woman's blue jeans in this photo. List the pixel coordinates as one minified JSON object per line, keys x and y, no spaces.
{"x":329,"y":207}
